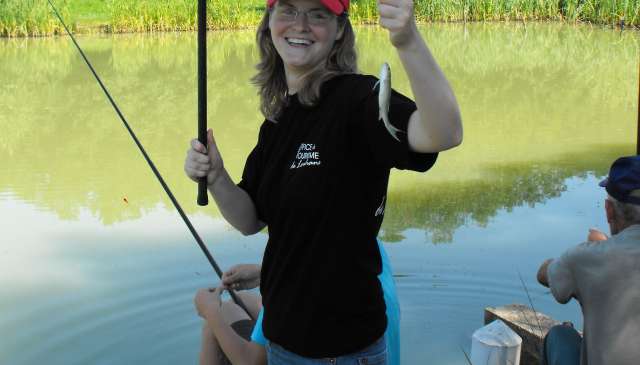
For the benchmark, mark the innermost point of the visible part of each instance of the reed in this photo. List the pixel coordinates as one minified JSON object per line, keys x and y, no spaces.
{"x":33,"y":17}
{"x":149,"y":15}
{"x":20,"y":18}
{"x":593,"y":11}
{"x":179,"y":15}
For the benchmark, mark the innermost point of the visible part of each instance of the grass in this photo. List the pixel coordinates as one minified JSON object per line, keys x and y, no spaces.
{"x":33,"y":18}
{"x":19,"y":18}
{"x":89,"y":12}
{"x":171,"y":15}
{"x":594,"y":11}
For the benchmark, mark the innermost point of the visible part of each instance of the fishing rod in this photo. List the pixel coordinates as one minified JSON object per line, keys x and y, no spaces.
{"x":203,"y":197}
{"x":195,"y":234}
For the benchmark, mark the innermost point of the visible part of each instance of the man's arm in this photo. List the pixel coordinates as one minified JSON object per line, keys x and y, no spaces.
{"x":564,"y":284}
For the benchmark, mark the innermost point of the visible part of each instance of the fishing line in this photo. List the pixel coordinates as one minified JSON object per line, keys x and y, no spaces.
{"x":204,"y":249}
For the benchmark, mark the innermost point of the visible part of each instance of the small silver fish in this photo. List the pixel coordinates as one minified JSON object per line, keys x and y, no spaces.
{"x":384,"y":96}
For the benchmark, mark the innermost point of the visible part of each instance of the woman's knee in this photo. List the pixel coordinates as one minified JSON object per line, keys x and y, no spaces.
{"x":231,"y":312}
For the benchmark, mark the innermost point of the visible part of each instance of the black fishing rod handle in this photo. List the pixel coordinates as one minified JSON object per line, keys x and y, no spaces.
{"x":203,"y":197}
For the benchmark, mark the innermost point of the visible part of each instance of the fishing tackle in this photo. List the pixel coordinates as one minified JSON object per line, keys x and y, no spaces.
{"x":216,"y":268}
{"x":203,"y":197}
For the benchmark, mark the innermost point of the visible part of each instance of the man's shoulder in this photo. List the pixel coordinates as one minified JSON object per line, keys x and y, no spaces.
{"x":586,"y":249}
{"x":630,"y":235}
{"x":596,"y":253}
{"x":627,"y":240}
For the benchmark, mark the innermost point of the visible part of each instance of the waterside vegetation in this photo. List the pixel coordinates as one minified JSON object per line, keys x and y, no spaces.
{"x":20,"y":18}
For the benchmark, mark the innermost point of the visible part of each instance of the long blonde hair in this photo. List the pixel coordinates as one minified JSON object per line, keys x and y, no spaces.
{"x":270,"y":78}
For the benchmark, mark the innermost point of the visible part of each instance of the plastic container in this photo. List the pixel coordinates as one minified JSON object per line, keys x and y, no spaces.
{"x":495,"y":344}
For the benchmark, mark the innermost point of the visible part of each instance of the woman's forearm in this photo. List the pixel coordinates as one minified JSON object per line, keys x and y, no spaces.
{"x":437,"y":125}
{"x":235,"y":204}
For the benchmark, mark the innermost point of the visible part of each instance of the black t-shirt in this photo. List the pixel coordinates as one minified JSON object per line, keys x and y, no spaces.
{"x":318,"y":178}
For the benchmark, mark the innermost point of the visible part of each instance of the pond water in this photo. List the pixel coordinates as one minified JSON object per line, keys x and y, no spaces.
{"x":96,"y":267}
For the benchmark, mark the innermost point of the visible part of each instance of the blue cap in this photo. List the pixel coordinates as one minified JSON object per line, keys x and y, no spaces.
{"x":623,"y":182}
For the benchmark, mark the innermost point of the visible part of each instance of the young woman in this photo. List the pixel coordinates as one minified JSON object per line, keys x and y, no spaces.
{"x":318,"y":175}
{"x":229,"y":336}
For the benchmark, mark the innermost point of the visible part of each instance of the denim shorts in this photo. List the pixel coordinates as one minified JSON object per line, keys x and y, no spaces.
{"x":375,"y":354}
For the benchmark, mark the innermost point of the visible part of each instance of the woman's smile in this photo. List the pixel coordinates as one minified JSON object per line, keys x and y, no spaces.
{"x":299,"y":42}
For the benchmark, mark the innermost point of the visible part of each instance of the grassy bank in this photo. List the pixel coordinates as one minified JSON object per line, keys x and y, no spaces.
{"x":33,"y":17}
{"x":19,"y":18}
{"x":593,"y":11}
{"x":168,"y":15}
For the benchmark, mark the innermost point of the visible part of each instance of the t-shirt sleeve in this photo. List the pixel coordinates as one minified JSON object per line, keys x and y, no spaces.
{"x":257,"y":335}
{"x":560,"y":275}
{"x":253,"y":169}
{"x":386,"y":150}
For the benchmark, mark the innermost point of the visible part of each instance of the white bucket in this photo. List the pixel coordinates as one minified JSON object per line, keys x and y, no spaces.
{"x":495,"y":344}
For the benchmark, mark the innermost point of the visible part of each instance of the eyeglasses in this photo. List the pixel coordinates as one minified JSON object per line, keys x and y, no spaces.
{"x":289,"y":14}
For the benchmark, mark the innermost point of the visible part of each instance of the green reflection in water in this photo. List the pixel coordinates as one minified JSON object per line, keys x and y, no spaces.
{"x":441,"y":207}
{"x":540,"y":103}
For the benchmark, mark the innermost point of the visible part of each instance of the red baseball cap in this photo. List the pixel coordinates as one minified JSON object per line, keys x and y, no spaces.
{"x":335,"y":6}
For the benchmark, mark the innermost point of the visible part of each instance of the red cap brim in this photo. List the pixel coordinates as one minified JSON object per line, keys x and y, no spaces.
{"x":335,"y":6}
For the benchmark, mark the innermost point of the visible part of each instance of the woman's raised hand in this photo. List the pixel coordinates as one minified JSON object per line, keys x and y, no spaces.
{"x":199,"y":163}
{"x":397,"y":17}
{"x":242,"y":277}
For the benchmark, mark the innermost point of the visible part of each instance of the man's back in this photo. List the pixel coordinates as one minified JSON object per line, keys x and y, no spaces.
{"x":605,"y":278}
